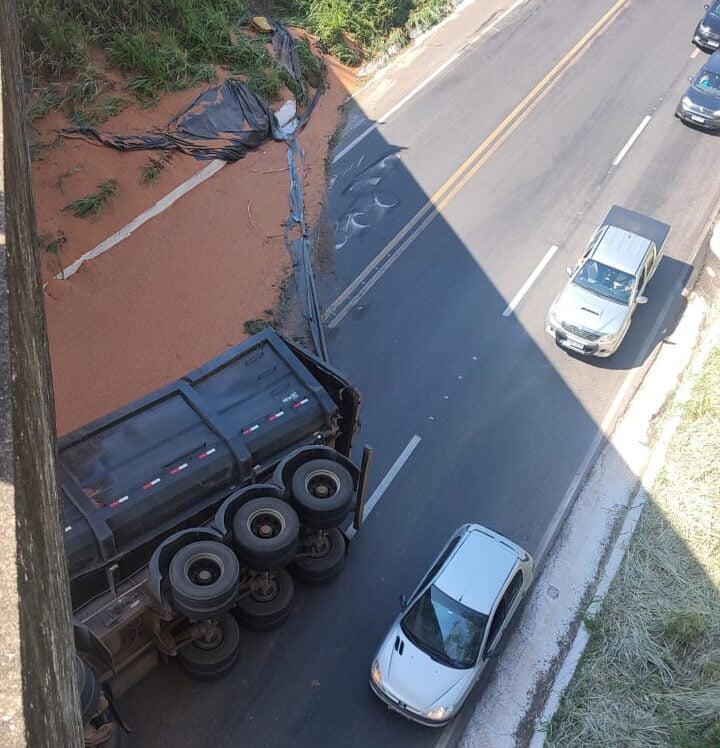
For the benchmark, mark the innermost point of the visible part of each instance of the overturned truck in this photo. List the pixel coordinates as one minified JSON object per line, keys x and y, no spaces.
{"x":189,"y":512}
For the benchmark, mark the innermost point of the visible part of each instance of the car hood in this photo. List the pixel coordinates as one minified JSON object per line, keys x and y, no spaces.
{"x":577,"y":306}
{"x":711,"y":21}
{"x":700,"y":98}
{"x":415,"y":678}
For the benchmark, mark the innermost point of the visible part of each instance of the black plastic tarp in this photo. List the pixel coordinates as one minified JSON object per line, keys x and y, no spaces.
{"x":224,"y":122}
{"x":285,"y":49}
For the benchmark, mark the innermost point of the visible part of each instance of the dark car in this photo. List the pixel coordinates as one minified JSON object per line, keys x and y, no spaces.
{"x":707,"y":33}
{"x":701,"y":104}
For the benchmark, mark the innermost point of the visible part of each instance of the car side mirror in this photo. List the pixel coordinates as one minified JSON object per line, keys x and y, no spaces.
{"x":569,"y":270}
{"x":690,"y":78}
{"x":707,"y":7}
{"x":403,"y":602}
{"x":641,"y":300}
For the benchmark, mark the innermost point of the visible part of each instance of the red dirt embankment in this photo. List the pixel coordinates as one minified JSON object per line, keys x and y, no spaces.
{"x":179,"y":289}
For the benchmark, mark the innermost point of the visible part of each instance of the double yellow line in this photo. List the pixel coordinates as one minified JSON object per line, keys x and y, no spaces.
{"x":339,"y":308}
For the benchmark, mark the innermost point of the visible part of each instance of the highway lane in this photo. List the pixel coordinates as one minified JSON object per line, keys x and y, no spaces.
{"x":505,"y":418}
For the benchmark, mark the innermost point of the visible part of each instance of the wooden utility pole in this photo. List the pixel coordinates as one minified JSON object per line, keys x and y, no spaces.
{"x":38,"y":693}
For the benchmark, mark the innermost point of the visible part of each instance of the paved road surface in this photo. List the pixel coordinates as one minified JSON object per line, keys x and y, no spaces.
{"x":504,"y":417}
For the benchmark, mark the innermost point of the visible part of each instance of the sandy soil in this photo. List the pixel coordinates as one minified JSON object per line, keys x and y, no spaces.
{"x":178,"y":291}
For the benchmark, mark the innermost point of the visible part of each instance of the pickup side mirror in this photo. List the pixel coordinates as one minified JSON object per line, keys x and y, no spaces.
{"x":641,"y":300}
{"x":403,"y":602}
{"x":569,"y":270}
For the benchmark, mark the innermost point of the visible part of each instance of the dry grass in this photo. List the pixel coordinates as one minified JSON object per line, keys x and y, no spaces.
{"x":651,"y":673}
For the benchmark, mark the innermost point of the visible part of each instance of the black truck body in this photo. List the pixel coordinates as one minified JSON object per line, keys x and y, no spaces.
{"x":153,"y":475}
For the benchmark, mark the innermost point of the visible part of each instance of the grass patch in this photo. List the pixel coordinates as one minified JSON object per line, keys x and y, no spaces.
{"x":92,"y":205}
{"x":52,"y":244}
{"x":254,"y":326}
{"x":102,"y":112}
{"x":150,"y":173}
{"x":650,"y":675}
{"x":42,"y":103}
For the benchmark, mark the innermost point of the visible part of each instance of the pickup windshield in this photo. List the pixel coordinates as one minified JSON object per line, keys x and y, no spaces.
{"x":605,"y":281}
{"x":446,"y":629}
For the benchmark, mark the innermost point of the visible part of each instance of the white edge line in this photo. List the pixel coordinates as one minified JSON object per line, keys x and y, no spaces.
{"x":387,"y":480}
{"x":161,"y":205}
{"x":533,"y":277}
{"x":633,"y":138}
{"x":394,"y":109}
{"x":695,"y":53}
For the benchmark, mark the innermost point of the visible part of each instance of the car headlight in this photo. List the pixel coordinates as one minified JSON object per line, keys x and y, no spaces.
{"x":716,"y":113}
{"x":439,"y":713}
{"x":686,"y":103}
{"x":608,"y":337}
{"x":552,"y":319}
{"x":375,"y":674}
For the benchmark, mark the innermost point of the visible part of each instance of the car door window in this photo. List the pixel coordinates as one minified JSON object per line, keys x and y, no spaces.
{"x":505,"y":606}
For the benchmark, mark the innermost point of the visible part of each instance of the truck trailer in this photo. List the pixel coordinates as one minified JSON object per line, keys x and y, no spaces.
{"x":188,"y":513}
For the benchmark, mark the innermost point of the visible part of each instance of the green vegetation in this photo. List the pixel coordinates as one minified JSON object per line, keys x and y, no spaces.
{"x":52,"y":244}
{"x":171,"y":44}
{"x":356,"y":29}
{"x":650,"y":675}
{"x":92,"y":205}
{"x":150,"y":173}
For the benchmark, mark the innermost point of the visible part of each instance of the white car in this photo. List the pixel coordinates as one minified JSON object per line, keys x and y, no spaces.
{"x":438,"y":646}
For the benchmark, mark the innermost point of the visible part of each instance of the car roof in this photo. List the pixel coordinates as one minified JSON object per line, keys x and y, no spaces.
{"x":475,"y":574}
{"x":713,"y":63}
{"x":621,"y":249}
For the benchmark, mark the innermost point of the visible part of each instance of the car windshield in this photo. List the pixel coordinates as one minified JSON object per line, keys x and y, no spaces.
{"x":605,"y":281}
{"x":715,"y":9}
{"x":444,"y":628}
{"x":708,"y":82}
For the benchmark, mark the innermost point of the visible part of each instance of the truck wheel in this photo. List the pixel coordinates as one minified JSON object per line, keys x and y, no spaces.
{"x":213,"y":656}
{"x":268,"y":604}
{"x":266,"y":533}
{"x":322,"y":493}
{"x":325,"y":557}
{"x":204,"y":579}
{"x":89,"y":689}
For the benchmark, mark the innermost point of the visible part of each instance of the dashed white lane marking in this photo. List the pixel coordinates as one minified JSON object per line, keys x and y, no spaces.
{"x":510,"y":308}
{"x":632,"y":139}
{"x":387,"y":480}
{"x":163,"y":204}
{"x":695,"y":53}
{"x":415,"y":91}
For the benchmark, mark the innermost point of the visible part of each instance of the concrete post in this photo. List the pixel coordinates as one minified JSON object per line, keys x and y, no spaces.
{"x":38,"y":695}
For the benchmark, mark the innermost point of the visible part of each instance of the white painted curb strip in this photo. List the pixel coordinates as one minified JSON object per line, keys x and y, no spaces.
{"x":163,"y":204}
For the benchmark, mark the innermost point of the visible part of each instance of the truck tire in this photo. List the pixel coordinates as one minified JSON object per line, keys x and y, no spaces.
{"x":322,"y":493}
{"x":324,"y":561}
{"x":266,"y":533}
{"x":88,"y":688}
{"x":267,"y":608}
{"x":208,"y":660}
{"x":204,"y":579}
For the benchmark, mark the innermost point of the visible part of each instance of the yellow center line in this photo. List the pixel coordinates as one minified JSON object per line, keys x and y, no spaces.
{"x":459,"y":178}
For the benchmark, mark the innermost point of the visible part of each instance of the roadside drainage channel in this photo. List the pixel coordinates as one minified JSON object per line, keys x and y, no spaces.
{"x":541,"y":655}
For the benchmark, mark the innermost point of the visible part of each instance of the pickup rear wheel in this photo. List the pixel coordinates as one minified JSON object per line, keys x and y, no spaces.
{"x":213,"y":654}
{"x":266,"y":533}
{"x":204,"y":579}
{"x":268,"y":604}
{"x":322,"y":493}
{"x":321,"y":556}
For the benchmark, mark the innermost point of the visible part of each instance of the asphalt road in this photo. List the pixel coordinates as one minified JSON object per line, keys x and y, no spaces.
{"x":504,"y":417}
